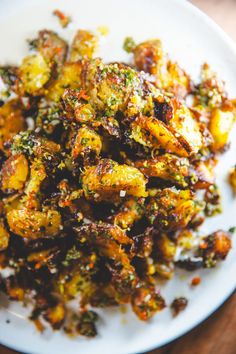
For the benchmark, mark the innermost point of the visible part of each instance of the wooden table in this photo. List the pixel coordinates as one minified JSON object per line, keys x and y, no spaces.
{"x":217,"y":334}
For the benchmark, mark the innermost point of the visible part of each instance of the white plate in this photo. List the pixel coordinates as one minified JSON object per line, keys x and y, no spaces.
{"x":191,"y":38}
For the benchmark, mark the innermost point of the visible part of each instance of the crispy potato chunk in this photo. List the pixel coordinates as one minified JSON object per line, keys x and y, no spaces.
{"x":165,"y":247}
{"x":176,"y":80}
{"x":150,"y":57}
{"x":87,"y":142}
{"x":84,"y":45}
{"x":215,"y":247}
{"x":168,"y":167}
{"x":131,"y":210}
{"x":14,"y":173}
{"x":34,"y":224}
{"x":56,"y":315}
{"x":153,"y":133}
{"x":232,"y":178}
{"x":220,"y":125}
{"x":34,"y":73}
{"x":69,"y":77}
{"x":4,"y":236}
{"x":172,"y":210}
{"x":109,"y":181}
{"x":185,"y":125}
{"x":11,"y":121}
{"x":146,"y":301}
{"x":51,"y":47}
{"x":112,"y":87}
{"x":108,"y":238}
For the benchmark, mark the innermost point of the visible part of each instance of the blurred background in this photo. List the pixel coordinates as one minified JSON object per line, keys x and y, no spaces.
{"x":223,"y":12}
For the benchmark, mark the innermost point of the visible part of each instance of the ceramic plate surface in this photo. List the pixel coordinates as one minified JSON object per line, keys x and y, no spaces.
{"x":191,"y":38}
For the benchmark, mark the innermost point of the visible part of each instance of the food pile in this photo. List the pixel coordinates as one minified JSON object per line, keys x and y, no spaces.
{"x":107,"y":172}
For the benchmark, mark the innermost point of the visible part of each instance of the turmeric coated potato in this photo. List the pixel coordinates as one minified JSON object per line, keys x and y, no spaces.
{"x":168,"y":167}
{"x":69,"y":77}
{"x":84,"y":45}
{"x":34,"y":224}
{"x":151,"y":132}
{"x":11,"y":121}
{"x":109,"y":180}
{"x":87,"y":141}
{"x":221,"y":122}
{"x":14,"y":173}
{"x":34,"y":73}
{"x":4,"y":236}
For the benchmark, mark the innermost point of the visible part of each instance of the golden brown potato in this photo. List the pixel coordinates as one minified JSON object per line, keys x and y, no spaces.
{"x":176,"y":80}
{"x":146,"y":301}
{"x":11,"y":121}
{"x":112,"y":87}
{"x":34,"y":224}
{"x":186,"y":127}
{"x":131,"y":210}
{"x":150,"y":57}
{"x":84,"y":45}
{"x":215,"y":247}
{"x":4,"y":236}
{"x":14,"y":173}
{"x":151,"y":132}
{"x":202,"y":175}
{"x":34,"y":73}
{"x":221,"y":122}
{"x":56,"y":315}
{"x":165,"y":247}
{"x":87,"y":141}
{"x":109,"y":181}
{"x":168,"y":167}
{"x":232,"y":178}
{"x":51,"y":47}
{"x":69,"y":77}
{"x":172,"y":210}
{"x":109,"y":240}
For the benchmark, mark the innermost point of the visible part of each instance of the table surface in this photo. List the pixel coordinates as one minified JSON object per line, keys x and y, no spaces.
{"x":217,"y":334}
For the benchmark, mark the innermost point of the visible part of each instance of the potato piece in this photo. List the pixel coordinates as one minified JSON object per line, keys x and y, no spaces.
{"x":11,"y":121}
{"x":176,"y":80}
{"x":215,"y":247}
{"x":220,"y":125}
{"x":110,"y":181}
{"x":150,"y":57}
{"x":56,"y":315}
{"x":34,"y":224}
{"x":69,"y":77}
{"x":146,"y":301}
{"x":4,"y":236}
{"x":172,"y":210}
{"x":51,"y":47}
{"x":153,"y":133}
{"x":34,"y":73}
{"x":112,"y":87}
{"x":84,"y":45}
{"x":131,"y":210}
{"x":203,"y":175}
{"x":108,"y":239}
{"x":87,"y":142}
{"x":185,"y":126}
{"x":37,"y":175}
{"x":165,"y":247}
{"x":14,"y":173}
{"x":168,"y":167}
{"x":232,"y":178}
